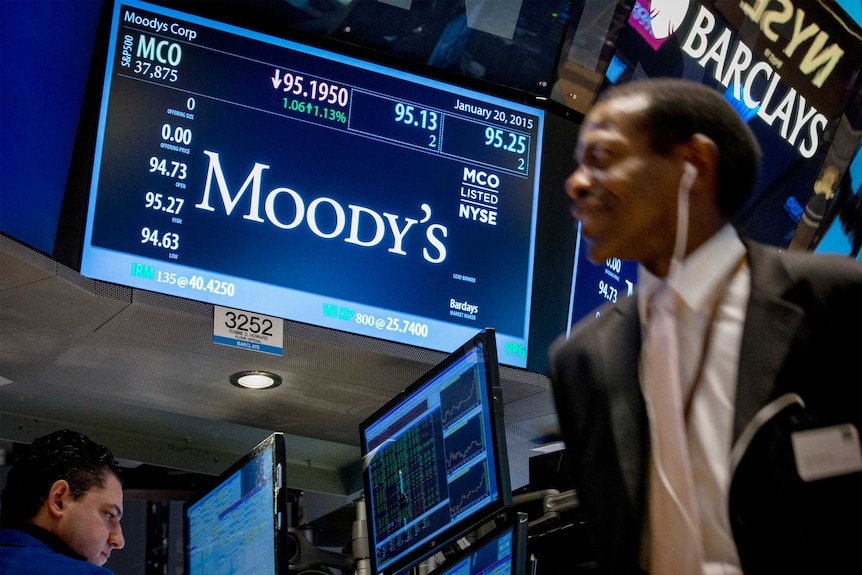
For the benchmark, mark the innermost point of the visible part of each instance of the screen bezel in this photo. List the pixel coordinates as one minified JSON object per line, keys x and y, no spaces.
{"x":106,"y":264}
{"x":554,"y":234}
{"x":496,"y":446}
{"x":515,"y":524}
{"x":275,"y":446}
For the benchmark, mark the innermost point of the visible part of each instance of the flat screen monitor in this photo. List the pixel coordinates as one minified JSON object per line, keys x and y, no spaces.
{"x":434,"y":458}
{"x":502,"y":551}
{"x":266,"y":175}
{"x":511,"y":42}
{"x":239,"y":525}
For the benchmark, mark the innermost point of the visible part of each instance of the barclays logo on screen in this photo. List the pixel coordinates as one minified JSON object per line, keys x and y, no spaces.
{"x":666,"y":16}
{"x":463,"y":309}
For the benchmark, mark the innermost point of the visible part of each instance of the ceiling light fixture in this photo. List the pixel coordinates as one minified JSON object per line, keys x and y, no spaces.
{"x":255,"y":379}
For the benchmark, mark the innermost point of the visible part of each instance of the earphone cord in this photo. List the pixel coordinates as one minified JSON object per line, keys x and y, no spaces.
{"x":682,"y":212}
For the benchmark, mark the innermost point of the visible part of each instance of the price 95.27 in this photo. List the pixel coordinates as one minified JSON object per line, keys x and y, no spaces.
{"x":162,"y":203}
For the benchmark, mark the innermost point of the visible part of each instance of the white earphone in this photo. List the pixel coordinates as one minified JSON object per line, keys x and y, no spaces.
{"x":682,"y":203}
{"x":689,"y":174}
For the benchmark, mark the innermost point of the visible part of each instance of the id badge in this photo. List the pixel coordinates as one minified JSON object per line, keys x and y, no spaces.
{"x":827,"y":451}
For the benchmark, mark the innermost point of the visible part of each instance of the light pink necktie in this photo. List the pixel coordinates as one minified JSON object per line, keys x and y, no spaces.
{"x":676,"y":546}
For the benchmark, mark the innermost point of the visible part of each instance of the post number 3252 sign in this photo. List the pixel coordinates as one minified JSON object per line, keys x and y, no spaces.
{"x":251,"y":331}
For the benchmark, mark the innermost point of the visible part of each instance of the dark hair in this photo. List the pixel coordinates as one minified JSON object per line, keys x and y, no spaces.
{"x":679,"y":109}
{"x":62,"y":454}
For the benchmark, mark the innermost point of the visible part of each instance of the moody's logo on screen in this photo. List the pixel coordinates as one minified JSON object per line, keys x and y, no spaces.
{"x":286,"y":209}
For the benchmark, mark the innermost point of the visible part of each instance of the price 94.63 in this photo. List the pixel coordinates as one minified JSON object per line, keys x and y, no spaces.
{"x":166,"y":240}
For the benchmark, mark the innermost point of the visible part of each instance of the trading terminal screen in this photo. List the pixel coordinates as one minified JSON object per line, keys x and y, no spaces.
{"x":237,"y":525}
{"x":500,"y":552}
{"x":435,"y":458}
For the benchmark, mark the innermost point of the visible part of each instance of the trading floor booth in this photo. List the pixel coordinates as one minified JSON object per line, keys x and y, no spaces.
{"x":361,"y":201}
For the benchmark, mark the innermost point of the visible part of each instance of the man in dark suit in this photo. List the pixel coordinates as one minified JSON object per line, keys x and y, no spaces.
{"x":767,"y":378}
{"x":62,"y":506}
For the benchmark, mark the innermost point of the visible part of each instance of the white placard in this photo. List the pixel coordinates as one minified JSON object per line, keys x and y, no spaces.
{"x":827,"y":451}
{"x":253,"y":331}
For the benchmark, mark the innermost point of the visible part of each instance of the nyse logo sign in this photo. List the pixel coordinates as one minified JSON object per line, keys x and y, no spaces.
{"x":479,"y":196}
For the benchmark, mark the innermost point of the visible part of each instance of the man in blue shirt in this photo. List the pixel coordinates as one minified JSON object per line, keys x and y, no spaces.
{"x":61,"y":508}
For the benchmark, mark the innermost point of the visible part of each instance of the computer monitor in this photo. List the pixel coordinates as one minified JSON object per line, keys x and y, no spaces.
{"x":239,"y":525}
{"x":502,"y":551}
{"x":434,"y":458}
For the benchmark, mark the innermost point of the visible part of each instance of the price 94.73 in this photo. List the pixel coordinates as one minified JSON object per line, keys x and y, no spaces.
{"x":608,"y":291}
{"x":166,"y":240}
{"x":175,"y":169}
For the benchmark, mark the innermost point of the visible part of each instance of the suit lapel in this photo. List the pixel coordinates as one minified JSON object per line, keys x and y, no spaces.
{"x":770,"y":324}
{"x":626,"y":404}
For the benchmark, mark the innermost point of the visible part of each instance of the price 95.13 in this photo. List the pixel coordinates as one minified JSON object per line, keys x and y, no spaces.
{"x":166,"y":240}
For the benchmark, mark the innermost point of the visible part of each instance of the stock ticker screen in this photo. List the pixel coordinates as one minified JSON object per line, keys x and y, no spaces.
{"x":435,"y":458}
{"x":266,"y":175}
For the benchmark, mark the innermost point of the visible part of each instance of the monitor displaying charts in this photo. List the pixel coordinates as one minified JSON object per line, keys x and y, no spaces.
{"x":434,"y":458}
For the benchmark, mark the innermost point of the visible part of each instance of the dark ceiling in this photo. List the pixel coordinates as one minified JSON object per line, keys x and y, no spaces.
{"x":139,"y":372}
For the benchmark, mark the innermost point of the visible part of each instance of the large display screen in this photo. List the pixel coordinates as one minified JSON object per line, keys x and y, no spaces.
{"x":238,"y":525}
{"x":434,"y":458}
{"x":594,"y":285}
{"x":261,"y":174}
